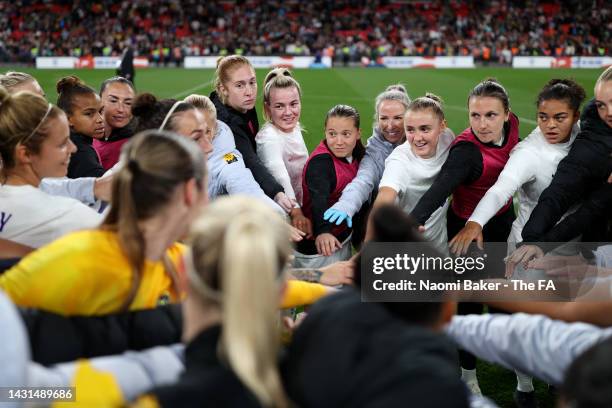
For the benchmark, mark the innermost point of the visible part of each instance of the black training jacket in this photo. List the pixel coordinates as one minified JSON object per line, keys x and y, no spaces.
{"x":55,"y":338}
{"x":244,"y":137}
{"x":583,"y":171}
{"x":349,"y":353}
{"x":85,"y":162}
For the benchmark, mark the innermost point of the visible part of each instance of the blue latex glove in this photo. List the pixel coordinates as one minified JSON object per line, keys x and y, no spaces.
{"x":336,"y":217}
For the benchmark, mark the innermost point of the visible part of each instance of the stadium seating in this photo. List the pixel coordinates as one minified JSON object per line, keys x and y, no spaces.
{"x":349,"y":30}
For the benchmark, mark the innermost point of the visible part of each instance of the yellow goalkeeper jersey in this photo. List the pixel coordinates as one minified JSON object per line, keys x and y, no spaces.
{"x":87,"y":273}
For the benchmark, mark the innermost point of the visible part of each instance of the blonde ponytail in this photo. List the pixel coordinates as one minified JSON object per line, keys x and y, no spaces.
{"x":251,"y":345}
{"x":240,"y":248}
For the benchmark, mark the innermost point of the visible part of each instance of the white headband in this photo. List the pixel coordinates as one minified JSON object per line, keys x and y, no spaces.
{"x":39,"y":124}
{"x":170,"y":112}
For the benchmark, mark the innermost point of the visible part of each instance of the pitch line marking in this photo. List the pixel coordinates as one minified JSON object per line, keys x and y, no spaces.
{"x":192,"y":89}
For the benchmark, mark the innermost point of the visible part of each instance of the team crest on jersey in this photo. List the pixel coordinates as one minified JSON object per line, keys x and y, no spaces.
{"x":230,"y":158}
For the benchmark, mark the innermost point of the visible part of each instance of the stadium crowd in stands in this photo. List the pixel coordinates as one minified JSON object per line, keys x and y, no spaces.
{"x":167,"y":31}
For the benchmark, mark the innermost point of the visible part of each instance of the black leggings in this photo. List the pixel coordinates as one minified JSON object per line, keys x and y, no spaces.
{"x":496,"y":230}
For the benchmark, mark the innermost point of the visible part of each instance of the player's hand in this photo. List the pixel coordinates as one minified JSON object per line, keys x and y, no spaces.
{"x":334,"y":216}
{"x":299,"y":221}
{"x":338,"y":273}
{"x":102,"y":187}
{"x":461,"y":242}
{"x":327,"y":244}
{"x":296,"y":234}
{"x":285,"y":202}
{"x":522,"y":256}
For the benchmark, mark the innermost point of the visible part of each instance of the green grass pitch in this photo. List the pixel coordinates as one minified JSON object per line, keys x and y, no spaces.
{"x":358,"y":87}
{"x":322,"y":89}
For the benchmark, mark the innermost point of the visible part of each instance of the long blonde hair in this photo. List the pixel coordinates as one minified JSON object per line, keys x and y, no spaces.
{"x":154,"y":163}
{"x":239,"y":250}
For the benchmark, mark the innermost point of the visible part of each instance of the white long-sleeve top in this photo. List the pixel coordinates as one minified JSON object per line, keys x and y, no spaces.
{"x":411,"y":177}
{"x":530,"y":169}
{"x":284,"y":155}
{"x":31,"y":217}
{"x":533,"y":344}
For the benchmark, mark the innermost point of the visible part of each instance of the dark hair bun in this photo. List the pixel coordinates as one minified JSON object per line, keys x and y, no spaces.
{"x":67,"y":83}
{"x":144,"y":104}
{"x":575,"y":89}
{"x":563,"y":89}
{"x":561,"y":81}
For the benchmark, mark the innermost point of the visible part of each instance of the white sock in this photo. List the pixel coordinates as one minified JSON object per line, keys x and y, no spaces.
{"x":524,"y":382}
{"x":469,"y":375}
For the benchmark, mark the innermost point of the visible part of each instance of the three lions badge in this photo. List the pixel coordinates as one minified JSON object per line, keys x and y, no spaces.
{"x":230,"y":158}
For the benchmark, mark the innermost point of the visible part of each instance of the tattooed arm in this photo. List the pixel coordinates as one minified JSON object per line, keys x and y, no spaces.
{"x":339,"y":273}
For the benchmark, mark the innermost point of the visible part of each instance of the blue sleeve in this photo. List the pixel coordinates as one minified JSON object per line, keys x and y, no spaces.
{"x":81,"y":189}
{"x":226,"y":141}
{"x":359,"y":190}
{"x":15,"y":352}
{"x":135,"y":372}
{"x":237,"y":179}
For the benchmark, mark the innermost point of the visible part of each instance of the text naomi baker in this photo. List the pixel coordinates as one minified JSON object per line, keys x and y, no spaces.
{"x":428,"y":285}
